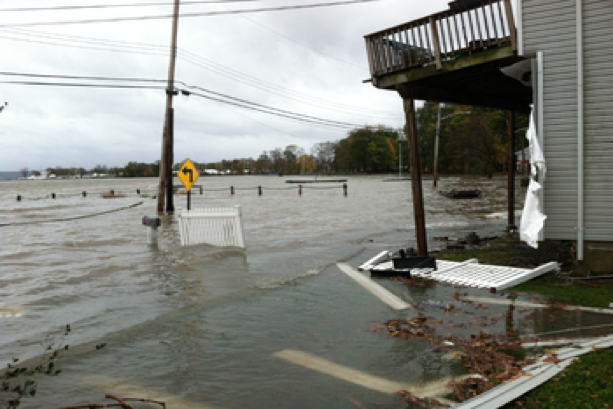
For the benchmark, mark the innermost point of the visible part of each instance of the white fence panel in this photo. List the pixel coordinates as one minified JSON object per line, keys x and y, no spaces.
{"x":221,"y":227}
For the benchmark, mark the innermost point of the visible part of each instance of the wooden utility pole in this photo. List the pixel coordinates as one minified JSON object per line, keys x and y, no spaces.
{"x":166,"y":180}
{"x":438,"y":134}
{"x":511,"y":170}
{"x":418,"y":199}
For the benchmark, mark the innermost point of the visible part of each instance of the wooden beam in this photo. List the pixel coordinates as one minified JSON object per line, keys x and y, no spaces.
{"x":418,"y":199}
{"x":511,"y":170}
{"x":464,"y":97}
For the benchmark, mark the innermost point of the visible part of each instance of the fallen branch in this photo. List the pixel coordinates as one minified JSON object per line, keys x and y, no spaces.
{"x":121,"y":403}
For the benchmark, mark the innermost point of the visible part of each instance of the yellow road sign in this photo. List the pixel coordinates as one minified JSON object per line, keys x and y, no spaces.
{"x":188,"y":174}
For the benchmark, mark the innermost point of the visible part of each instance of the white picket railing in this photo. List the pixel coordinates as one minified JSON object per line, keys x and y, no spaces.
{"x":222,"y":226}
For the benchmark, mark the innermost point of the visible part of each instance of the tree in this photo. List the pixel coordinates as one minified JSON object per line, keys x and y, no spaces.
{"x":324,"y":155}
{"x":477,"y":144}
{"x":263,"y":164}
{"x":368,"y":149}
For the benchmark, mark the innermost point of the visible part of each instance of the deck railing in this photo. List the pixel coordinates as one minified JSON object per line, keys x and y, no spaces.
{"x":467,"y":27}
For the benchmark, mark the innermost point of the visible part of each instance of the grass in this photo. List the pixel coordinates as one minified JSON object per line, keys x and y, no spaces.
{"x":587,"y":293}
{"x":586,"y":382}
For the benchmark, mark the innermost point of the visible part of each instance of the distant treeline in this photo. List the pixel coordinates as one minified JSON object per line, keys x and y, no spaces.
{"x":472,"y":140}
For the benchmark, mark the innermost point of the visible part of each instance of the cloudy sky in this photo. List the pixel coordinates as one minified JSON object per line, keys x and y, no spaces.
{"x":309,"y":61}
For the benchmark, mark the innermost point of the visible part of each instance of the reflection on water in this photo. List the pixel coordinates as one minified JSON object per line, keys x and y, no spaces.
{"x":204,"y":326}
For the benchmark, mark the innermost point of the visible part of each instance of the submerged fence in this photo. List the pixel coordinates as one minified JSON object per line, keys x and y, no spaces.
{"x":217,"y":226}
{"x":152,"y":192}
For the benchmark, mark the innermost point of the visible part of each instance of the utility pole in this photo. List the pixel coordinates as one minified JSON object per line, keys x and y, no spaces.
{"x":438,"y":132}
{"x":166,"y":180}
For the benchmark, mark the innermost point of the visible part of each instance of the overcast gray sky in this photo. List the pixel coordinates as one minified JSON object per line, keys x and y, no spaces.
{"x":309,"y":61}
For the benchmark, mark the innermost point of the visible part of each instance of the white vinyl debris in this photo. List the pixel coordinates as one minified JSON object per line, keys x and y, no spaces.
{"x":533,"y":219}
{"x":504,"y":301}
{"x":472,"y":274}
{"x":221,"y":227}
{"x":536,"y":374}
{"x":384,"y":295}
{"x":383,"y":256}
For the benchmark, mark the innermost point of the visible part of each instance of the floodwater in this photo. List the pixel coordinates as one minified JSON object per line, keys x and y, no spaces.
{"x":274,"y":325}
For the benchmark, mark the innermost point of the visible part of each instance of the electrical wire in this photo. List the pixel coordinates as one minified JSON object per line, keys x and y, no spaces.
{"x":104,"y":6}
{"x":184,"y":15}
{"x":361,"y":67}
{"x":227,"y":99}
{"x":322,"y":122}
{"x":194,"y":59}
{"x":82,"y":85}
{"x":260,"y":105}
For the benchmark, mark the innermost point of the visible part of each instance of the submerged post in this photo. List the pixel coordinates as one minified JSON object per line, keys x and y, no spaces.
{"x":418,"y":200}
{"x":511,"y":170}
{"x":153,"y":223}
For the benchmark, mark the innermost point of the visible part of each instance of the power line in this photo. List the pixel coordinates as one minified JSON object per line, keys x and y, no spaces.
{"x":82,"y":85}
{"x":153,"y":49}
{"x":199,"y":14}
{"x":104,"y":6}
{"x":300,"y":44}
{"x":295,"y":118}
{"x":263,"y":106}
{"x":228,"y":99}
{"x":80,"y":77}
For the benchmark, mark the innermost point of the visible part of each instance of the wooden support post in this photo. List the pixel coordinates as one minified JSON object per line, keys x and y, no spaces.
{"x":511,"y":22}
{"x":437,"y":43}
{"x":418,"y":200}
{"x":299,"y":190}
{"x":511,"y":169}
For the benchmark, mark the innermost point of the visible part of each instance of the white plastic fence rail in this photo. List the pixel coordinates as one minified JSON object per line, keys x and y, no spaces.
{"x":221,"y":226}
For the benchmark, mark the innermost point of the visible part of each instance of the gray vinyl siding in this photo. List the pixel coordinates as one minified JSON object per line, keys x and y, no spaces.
{"x":598,"y":75}
{"x":549,"y":26}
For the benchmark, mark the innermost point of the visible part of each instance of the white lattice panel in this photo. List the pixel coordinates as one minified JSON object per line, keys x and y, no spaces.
{"x":472,"y":274}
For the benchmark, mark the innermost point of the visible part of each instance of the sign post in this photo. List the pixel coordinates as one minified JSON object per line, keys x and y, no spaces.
{"x":188,"y":175}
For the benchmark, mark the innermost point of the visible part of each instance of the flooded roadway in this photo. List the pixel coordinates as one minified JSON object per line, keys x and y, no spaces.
{"x":275,"y":325}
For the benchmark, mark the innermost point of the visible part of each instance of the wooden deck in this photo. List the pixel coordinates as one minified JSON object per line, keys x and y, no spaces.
{"x":453,"y":56}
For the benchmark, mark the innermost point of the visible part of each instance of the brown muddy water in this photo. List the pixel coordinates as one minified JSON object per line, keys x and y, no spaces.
{"x":276,"y":325}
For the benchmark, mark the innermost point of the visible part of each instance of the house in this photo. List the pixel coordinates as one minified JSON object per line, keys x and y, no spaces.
{"x":552,"y":57}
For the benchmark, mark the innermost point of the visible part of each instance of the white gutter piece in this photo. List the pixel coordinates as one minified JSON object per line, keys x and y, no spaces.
{"x":580,"y":133}
{"x":383,"y":294}
{"x":535,"y":375}
{"x":541,"y":117}
{"x":507,"y":392}
{"x":383,"y":256}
